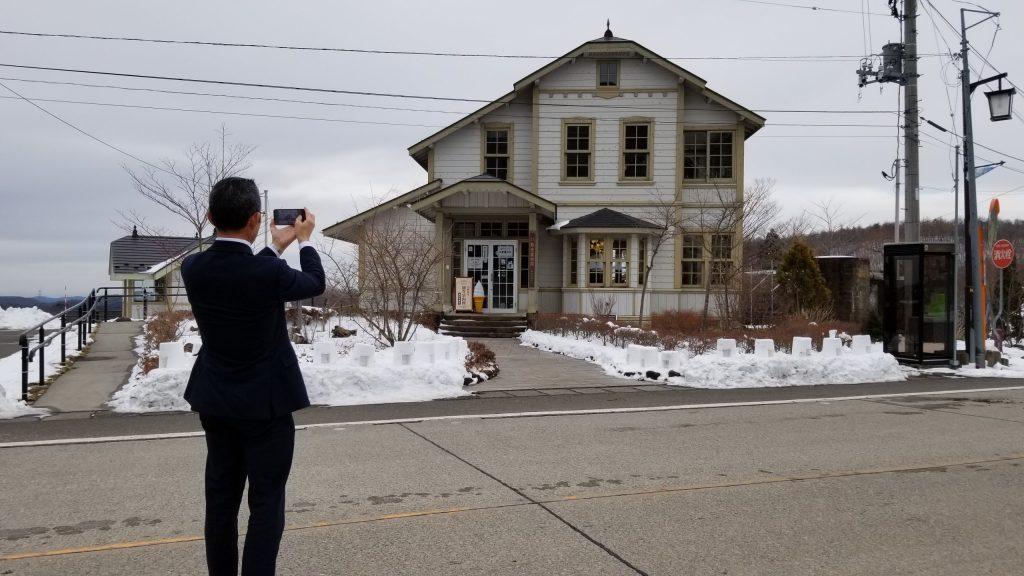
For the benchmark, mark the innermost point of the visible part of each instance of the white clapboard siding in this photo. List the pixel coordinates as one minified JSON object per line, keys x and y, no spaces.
{"x":458,"y":156}
{"x":549,"y":268}
{"x":659,"y":107}
{"x":633,"y":73}
{"x":701,"y":111}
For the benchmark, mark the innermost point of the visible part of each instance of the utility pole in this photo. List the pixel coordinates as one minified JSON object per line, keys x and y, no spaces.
{"x":266,"y":216}
{"x":912,"y":220}
{"x":956,"y":248}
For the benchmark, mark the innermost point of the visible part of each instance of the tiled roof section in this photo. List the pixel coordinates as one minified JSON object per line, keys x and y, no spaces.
{"x":607,"y":218}
{"x":134,"y":254}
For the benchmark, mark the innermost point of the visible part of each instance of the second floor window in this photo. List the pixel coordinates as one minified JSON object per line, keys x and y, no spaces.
{"x":707,"y":155}
{"x":496,"y":153}
{"x":636,"y":153}
{"x":577,"y":152}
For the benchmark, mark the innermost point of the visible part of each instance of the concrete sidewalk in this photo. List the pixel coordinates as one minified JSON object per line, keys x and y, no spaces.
{"x":90,"y":381}
{"x":526,"y":368}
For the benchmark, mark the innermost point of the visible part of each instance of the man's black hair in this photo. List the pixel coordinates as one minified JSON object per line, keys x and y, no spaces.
{"x":233,"y":201}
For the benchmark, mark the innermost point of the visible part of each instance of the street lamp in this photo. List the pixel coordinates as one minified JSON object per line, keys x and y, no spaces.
{"x":1000,"y":102}
{"x":1000,"y":108}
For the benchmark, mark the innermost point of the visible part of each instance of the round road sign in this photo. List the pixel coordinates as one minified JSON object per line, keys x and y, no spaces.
{"x":1002,"y":253}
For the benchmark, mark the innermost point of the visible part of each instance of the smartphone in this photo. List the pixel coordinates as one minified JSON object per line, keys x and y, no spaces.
{"x":288,"y":216}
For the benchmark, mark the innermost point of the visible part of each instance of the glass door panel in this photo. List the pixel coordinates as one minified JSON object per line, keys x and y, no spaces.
{"x":478,"y":261}
{"x":503,"y":298}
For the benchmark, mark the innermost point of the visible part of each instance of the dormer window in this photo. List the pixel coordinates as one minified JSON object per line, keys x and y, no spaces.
{"x":607,"y":73}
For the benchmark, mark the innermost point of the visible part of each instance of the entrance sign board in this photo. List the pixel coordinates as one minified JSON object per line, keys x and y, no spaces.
{"x":463,"y":294}
{"x":1002,"y":254}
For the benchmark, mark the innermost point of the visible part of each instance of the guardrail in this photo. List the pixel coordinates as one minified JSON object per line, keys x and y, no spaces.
{"x":80,"y":317}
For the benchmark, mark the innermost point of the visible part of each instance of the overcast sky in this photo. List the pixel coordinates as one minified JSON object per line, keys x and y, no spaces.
{"x":60,"y":190}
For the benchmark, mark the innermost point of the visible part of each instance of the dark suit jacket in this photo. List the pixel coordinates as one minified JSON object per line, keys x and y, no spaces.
{"x":246,"y":367}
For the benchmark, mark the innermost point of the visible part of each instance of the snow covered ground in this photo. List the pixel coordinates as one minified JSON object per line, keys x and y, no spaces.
{"x":1015,"y":356}
{"x":739,"y":371}
{"x":24,"y":318}
{"x":11,"y":405}
{"x":342,"y":382}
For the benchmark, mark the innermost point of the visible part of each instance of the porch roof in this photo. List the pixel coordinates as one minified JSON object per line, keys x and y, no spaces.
{"x":345,"y":230}
{"x":609,"y":220}
{"x":429,"y":204}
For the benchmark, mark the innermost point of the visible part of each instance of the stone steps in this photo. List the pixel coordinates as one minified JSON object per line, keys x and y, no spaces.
{"x":481,"y":326}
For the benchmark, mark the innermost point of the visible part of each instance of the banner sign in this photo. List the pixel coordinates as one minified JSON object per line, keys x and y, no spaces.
{"x":463,"y":294}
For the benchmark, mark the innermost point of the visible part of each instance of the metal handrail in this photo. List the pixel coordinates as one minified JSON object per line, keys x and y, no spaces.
{"x":87,"y":315}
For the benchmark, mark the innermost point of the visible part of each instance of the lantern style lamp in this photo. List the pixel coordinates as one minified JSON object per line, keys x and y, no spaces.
{"x":1000,"y":103}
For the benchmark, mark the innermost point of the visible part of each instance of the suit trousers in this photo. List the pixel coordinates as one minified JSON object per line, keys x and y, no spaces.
{"x":259,"y":451}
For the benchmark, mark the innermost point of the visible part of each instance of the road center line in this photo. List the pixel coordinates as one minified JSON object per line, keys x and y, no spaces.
{"x":501,"y":415}
{"x":566,"y":499}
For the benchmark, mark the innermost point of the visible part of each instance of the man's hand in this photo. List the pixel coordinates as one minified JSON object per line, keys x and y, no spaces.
{"x":304,"y":228}
{"x":282,"y":236}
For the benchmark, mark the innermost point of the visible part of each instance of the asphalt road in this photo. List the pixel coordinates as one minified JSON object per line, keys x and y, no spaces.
{"x":915,"y":485}
{"x":8,"y":342}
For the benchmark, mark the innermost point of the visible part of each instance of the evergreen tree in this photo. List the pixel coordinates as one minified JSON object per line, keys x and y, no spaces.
{"x":801,"y":279}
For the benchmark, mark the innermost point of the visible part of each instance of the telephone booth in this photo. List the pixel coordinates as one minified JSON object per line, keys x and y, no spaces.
{"x":917,"y":316}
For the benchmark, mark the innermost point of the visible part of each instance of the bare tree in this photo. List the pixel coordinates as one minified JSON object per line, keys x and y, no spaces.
{"x":183,"y":188}
{"x":664,"y":215}
{"x":389,"y":278}
{"x":725,"y":223}
{"x":829,"y":218}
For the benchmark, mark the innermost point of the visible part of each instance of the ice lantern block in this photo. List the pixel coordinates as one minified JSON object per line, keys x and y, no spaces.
{"x":362,"y":354}
{"x":324,"y":352}
{"x":726,"y":347}
{"x":403,"y":353}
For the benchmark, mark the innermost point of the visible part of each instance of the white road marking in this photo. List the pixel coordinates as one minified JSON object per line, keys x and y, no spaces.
{"x":500,"y":415}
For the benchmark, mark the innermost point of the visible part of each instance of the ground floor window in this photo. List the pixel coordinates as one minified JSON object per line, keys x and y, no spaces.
{"x":608,"y":262}
{"x":574,"y":261}
{"x":692,"y":260}
{"x":721,"y":258}
{"x":641,"y":266}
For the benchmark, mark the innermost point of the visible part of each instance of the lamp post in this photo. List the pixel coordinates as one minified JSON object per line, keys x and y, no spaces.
{"x":1000,"y":107}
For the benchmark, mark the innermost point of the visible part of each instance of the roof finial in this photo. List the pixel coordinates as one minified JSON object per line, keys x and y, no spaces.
{"x":608,"y":29}
{"x":135,"y":231}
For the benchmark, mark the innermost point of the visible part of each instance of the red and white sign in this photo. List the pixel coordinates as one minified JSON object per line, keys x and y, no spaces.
{"x":1002,"y":253}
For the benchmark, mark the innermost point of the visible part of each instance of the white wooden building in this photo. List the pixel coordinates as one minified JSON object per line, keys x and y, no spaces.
{"x":548,"y":194}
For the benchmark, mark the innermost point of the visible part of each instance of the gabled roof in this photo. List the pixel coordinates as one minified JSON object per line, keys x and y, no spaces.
{"x":339,"y":230}
{"x":425,"y":206}
{"x":608,"y":44}
{"x":135,"y":254}
{"x":606,"y":218}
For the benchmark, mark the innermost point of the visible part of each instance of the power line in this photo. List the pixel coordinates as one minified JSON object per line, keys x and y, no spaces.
{"x":399,"y":95}
{"x":811,"y":7}
{"x":761,"y":58}
{"x":381,"y":123}
{"x":83,"y":132}
{"x":229,"y":113}
{"x":322,"y":103}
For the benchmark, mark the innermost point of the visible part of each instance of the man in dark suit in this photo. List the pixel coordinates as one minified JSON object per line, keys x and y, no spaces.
{"x":246,"y":381}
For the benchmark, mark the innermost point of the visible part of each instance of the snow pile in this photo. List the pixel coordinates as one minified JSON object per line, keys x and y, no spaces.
{"x":1014,"y":356}
{"x":11,"y":405}
{"x":738,"y":371}
{"x":342,"y":382}
{"x":24,"y":318}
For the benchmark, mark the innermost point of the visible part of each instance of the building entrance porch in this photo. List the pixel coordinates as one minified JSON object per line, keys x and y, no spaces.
{"x":492,"y":263}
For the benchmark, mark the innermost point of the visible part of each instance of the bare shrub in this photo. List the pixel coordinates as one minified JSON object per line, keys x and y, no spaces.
{"x":161,"y":327}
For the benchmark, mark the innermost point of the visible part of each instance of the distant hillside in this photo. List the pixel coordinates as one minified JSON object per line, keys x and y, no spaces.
{"x":49,"y":303}
{"x":867,"y":241}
